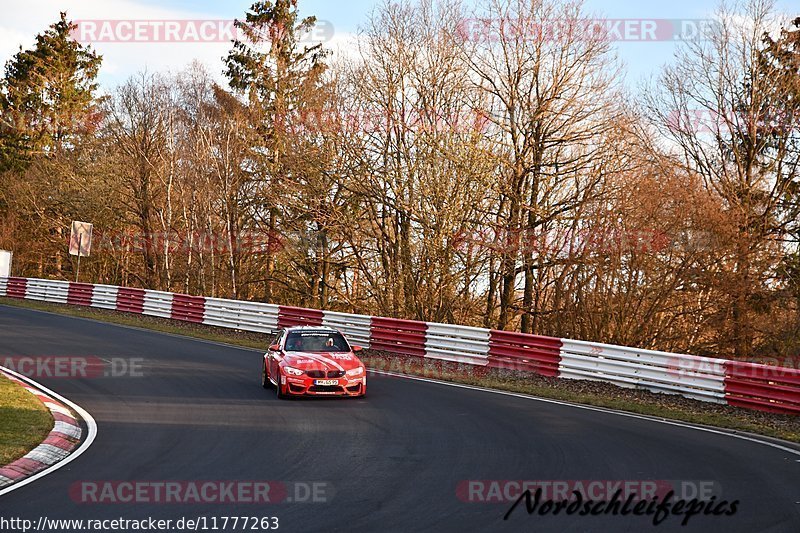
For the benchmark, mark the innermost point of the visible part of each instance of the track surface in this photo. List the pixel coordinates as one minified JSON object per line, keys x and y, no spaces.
{"x":393,"y":459}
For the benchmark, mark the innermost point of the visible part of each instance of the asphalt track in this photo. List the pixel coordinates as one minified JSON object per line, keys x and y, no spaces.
{"x":392,"y":461}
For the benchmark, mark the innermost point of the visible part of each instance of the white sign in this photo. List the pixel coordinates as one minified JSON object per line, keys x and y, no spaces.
{"x":81,"y":237}
{"x":5,"y":263}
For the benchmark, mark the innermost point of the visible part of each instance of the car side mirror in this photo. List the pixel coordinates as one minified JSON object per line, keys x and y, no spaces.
{"x":357,"y":348}
{"x":275,"y":348}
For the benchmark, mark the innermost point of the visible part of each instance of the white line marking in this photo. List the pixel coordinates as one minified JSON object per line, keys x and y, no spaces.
{"x":598,"y":409}
{"x":91,"y":426}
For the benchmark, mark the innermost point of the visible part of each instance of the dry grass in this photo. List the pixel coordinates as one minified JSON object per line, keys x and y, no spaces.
{"x":24,"y":421}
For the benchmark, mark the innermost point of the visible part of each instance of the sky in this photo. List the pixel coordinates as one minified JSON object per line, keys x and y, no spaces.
{"x":21,"y":20}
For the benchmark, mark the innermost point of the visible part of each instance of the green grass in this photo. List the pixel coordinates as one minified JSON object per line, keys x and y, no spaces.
{"x":24,"y":421}
{"x":592,"y":393}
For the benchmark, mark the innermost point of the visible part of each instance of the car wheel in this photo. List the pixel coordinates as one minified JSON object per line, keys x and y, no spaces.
{"x":265,"y":382}
{"x":279,"y":388}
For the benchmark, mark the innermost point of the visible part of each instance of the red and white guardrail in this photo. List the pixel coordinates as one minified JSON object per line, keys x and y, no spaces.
{"x":748,"y":385}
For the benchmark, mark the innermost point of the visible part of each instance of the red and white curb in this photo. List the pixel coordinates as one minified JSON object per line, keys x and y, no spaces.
{"x":62,"y":445}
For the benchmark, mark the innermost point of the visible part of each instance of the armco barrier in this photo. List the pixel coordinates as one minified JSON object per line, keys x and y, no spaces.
{"x":130,"y":300}
{"x":188,"y":308}
{"x":80,"y":294}
{"x":104,"y":296}
{"x":460,"y":344}
{"x":247,"y":316}
{"x":16,"y":287}
{"x":57,"y":291}
{"x":406,"y":337}
{"x":157,"y":303}
{"x":700,"y":378}
{"x":762,"y":387}
{"x":36,"y":289}
{"x":521,"y":351}
{"x":298,"y":316}
{"x":752,"y":386}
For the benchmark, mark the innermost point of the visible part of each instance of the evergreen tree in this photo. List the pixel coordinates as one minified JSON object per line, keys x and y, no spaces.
{"x":782,"y":55}
{"x":47,"y":96}
{"x":271,"y":77}
{"x":280,"y":81}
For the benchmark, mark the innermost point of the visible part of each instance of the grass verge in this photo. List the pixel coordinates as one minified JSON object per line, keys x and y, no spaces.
{"x":24,"y":421}
{"x":584,"y":392}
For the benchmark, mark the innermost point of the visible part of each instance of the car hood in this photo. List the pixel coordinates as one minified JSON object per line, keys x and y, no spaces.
{"x":322,"y":360}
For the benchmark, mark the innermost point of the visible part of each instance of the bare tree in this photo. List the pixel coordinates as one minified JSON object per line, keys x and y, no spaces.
{"x":137,"y":128}
{"x":419,"y":161}
{"x":718,"y":107}
{"x":552,"y":84}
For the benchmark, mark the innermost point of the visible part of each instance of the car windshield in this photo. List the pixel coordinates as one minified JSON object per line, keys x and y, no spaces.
{"x":316,"y":341}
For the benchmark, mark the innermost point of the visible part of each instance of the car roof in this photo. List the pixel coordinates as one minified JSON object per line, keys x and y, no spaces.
{"x":312,"y":328}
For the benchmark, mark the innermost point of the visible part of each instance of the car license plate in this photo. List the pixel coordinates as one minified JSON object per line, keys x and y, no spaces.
{"x":326,"y":382}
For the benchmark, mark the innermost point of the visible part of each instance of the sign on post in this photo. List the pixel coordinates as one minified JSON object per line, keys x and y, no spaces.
{"x":5,"y":263}
{"x":80,"y":242}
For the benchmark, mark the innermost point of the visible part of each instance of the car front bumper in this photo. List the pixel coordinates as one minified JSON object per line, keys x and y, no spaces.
{"x":305,"y":386}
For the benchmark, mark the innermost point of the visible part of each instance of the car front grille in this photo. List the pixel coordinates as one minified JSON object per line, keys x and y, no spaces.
{"x":325,"y":388}
{"x":317,"y":374}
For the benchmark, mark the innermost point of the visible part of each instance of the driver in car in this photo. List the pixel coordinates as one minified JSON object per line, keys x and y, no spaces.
{"x":295,"y":345}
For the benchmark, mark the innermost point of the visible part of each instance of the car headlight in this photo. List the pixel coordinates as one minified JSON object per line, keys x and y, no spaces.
{"x":292,"y":371}
{"x":355,"y":371}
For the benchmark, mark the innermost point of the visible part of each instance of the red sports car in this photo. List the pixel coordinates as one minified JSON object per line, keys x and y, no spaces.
{"x":313,"y":361}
